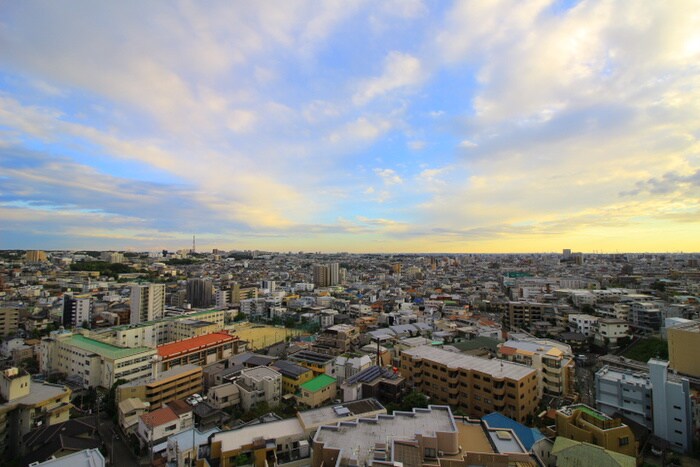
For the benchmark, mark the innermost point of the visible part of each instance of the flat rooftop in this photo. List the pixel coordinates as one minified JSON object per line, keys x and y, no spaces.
{"x":162,"y":376}
{"x":235,"y":439}
{"x":312,"y":419}
{"x":358,"y":438}
{"x":493,"y":367}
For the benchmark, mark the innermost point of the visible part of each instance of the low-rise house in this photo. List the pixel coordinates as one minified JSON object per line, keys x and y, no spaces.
{"x":129,"y":411}
{"x":317,"y":391}
{"x":224,"y":395}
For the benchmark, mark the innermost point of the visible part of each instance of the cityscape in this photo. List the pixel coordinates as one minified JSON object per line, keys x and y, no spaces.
{"x":249,"y":357}
{"x":321,"y":233}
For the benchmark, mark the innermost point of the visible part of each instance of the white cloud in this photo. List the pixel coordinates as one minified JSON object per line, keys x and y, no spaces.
{"x":388,"y":176}
{"x":466,"y":144}
{"x":401,"y":71}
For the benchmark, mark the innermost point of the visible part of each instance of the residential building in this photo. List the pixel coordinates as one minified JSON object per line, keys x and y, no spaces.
{"x":224,"y":395}
{"x":610,"y":332}
{"x":260,"y":384}
{"x":624,"y":392}
{"x":201,"y":350}
{"x":36,"y":256}
{"x":199,"y":292}
{"x":673,"y":417}
{"x":583,"y":323}
{"x":645,"y":317}
{"x":293,"y":375}
{"x":522,"y":315}
{"x":477,"y":386}
{"x":163,"y":387}
{"x":9,"y":321}
{"x":317,"y":391}
{"x":347,"y":366}
{"x":27,"y":405}
{"x":326,"y":275}
{"x":375,"y":382}
{"x":680,"y":339}
{"x":154,"y":427}
{"x":337,"y":340}
{"x":147,"y":302}
{"x":316,"y":362}
{"x":553,"y":361}
{"x":93,"y":363}
{"x":585,"y":424}
{"x":129,"y":411}
{"x":60,"y":440}
{"x":77,"y":311}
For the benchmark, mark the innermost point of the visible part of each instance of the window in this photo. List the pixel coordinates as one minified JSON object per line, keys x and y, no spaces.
{"x":624,"y":441}
{"x":430,"y":452}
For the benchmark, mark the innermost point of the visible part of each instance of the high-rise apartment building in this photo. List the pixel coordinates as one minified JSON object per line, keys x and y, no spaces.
{"x":680,"y":340}
{"x":9,"y":321}
{"x":77,"y":310}
{"x":36,"y":256}
{"x":326,"y":275}
{"x":147,"y":302}
{"x":199,"y":292}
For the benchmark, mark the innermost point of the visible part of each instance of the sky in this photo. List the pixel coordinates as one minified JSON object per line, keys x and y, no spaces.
{"x":359,"y":126}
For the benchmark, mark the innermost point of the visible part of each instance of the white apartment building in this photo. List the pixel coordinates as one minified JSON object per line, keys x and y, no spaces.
{"x":259,"y":384}
{"x":147,"y":302}
{"x":583,"y":323}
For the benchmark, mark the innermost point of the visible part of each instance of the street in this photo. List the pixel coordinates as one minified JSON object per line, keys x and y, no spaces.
{"x":115,"y":443}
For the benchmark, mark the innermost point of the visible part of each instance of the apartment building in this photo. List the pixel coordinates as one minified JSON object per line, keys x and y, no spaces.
{"x":176,"y":383}
{"x":583,"y":323}
{"x":147,"y":302}
{"x":645,"y":317}
{"x":553,"y":362}
{"x":585,"y":424}
{"x":91,"y":362}
{"x":477,"y":386}
{"x":680,"y":339}
{"x":624,"y":392}
{"x":201,"y":350}
{"x":522,"y":315}
{"x":9,"y":321}
{"x":673,"y":416}
{"x":337,"y":340}
{"x":610,"y":332}
{"x":28,"y":405}
{"x":77,"y":310}
{"x":260,"y":384}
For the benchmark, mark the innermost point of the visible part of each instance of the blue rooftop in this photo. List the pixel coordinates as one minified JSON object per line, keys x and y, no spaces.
{"x":528,"y":436}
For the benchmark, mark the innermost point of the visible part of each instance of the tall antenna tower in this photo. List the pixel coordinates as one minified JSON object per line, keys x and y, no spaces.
{"x":193,"y":249}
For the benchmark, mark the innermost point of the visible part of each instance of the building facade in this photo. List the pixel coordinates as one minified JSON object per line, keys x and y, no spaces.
{"x":147,"y":302}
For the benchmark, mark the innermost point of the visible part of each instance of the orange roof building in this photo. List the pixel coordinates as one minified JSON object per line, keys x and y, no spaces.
{"x":201,"y":350}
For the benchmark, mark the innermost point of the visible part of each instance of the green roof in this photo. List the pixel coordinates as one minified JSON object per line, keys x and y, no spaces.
{"x":318,"y":383}
{"x":593,"y":413}
{"x":104,"y":349}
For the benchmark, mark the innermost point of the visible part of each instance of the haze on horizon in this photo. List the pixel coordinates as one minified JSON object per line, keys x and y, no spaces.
{"x":359,"y":126}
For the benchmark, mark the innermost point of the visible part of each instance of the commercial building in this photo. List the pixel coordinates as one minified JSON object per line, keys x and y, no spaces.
{"x":317,"y":391}
{"x":585,"y":424}
{"x":147,"y":302}
{"x":680,"y":339}
{"x":553,"y":361}
{"x":477,"y":386}
{"x":93,"y":363}
{"x":163,"y":387}
{"x":202,"y":350}
{"x":28,"y":405}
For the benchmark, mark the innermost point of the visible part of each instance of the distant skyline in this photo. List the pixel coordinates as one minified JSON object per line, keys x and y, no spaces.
{"x":359,"y":126}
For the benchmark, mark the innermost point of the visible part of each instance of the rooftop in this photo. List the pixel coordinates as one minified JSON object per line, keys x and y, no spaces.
{"x":172,"y":373}
{"x":493,"y":367}
{"x":356,"y":438}
{"x":312,"y":419}
{"x":235,"y":439}
{"x":318,"y":383}
{"x":194,"y":344}
{"x":84,"y":458}
{"x":159,"y":417}
{"x":104,"y":349}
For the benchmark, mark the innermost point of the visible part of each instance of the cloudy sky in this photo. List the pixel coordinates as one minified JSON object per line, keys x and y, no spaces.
{"x":382,"y":126}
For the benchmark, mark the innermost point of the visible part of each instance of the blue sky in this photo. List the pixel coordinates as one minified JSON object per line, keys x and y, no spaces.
{"x":418,"y":126}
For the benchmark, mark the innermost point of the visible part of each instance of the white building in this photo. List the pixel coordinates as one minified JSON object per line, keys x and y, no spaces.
{"x":609,"y":332}
{"x":583,"y":323}
{"x":259,"y":384}
{"x":147,"y":302}
{"x":345,"y":367}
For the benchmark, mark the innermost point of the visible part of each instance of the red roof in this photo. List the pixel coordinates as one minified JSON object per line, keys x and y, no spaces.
{"x":194,"y":344}
{"x":159,"y":417}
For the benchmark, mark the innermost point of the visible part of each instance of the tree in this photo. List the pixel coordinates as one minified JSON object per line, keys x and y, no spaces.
{"x":239,"y":317}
